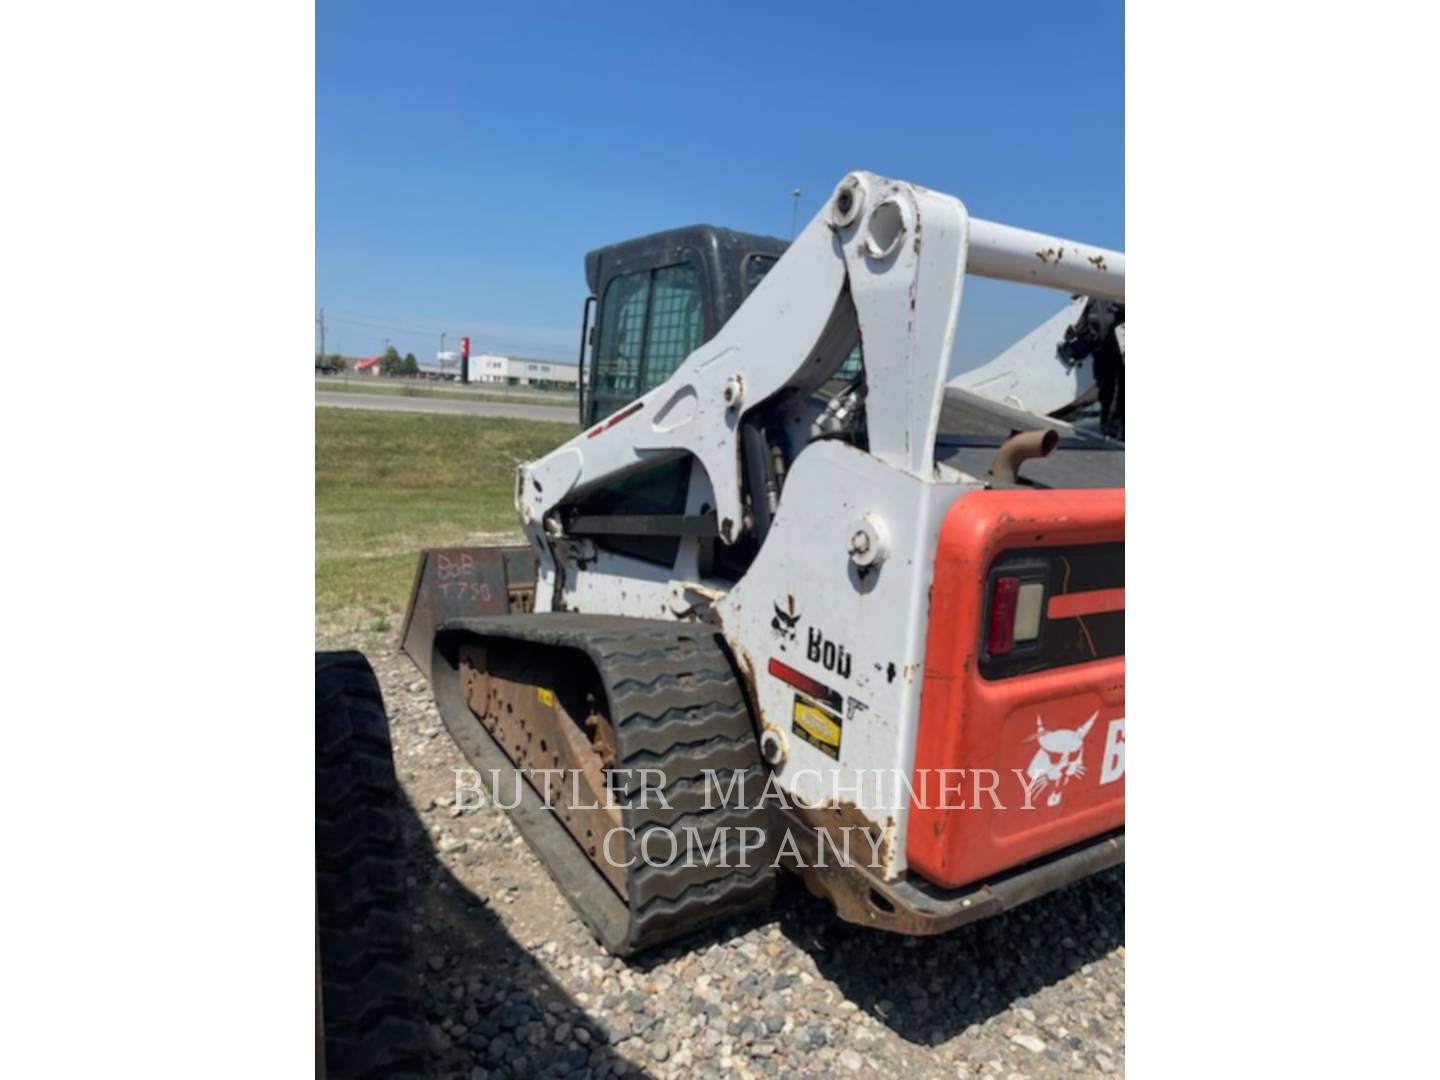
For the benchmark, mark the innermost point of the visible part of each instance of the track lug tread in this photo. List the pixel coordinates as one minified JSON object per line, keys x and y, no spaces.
{"x":676,"y":706}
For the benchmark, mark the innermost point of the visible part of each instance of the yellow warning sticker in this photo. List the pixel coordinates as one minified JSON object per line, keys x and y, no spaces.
{"x":546,"y":696}
{"x":817,"y":725}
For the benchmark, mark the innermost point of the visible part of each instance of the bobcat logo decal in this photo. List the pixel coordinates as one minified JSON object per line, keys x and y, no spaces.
{"x":1059,"y":759}
{"x":784,"y":623}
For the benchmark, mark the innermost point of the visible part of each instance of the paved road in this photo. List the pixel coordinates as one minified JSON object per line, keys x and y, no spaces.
{"x":450,"y":406}
{"x":343,"y":383}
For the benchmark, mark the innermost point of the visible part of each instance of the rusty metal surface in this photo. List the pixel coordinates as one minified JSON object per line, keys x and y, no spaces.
{"x":839,"y":819}
{"x":545,"y":710}
{"x":460,"y":582}
{"x":914,"y":907}
{"x":848,"y":828}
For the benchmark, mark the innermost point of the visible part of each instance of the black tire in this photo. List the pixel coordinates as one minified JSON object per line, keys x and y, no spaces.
{"x":369,"y":1003}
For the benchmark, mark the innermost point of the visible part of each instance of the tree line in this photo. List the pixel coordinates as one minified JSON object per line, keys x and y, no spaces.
{"x":392,"y":363}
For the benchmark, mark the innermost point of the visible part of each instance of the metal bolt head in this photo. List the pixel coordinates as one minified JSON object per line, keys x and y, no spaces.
{"x":849,"y":199}
{"x":734,"y":392}
{"x":869,"y":542}
{"x":772,"y":746}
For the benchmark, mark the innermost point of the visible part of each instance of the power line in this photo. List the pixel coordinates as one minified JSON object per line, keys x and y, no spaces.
{"x":358,"y":319}
{"x":375,"y":324}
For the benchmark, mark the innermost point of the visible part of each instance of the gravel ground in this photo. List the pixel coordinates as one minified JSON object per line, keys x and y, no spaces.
{"x":515,"y":986}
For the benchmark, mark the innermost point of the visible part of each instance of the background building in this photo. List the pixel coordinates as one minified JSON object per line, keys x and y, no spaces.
{"x":509,"y":370}
{"x":446,"y":365}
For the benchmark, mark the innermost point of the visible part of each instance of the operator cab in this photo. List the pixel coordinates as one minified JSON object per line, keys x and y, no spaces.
{"x":659,"y":298}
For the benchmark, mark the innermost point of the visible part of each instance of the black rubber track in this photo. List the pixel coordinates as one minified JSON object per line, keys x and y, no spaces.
{"x":370,"y":1004}
{"x":677,"y":708}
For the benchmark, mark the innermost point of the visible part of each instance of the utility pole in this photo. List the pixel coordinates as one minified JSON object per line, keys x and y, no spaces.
{"x":320,"y":319}
{"x":441,"y":357}
{"x":794,"y":212}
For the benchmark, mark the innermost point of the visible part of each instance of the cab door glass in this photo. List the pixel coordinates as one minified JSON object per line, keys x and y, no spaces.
{"x":676,"y":322}
{"x":620,"y":347}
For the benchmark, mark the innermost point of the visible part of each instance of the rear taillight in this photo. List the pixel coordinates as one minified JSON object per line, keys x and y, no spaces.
{"x":1000,"y":634}
{"x":1016,"y":604}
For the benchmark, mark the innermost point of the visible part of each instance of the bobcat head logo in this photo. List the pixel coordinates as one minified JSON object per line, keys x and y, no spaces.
{"x":1059,"y":758}
{"x":785,"y":622}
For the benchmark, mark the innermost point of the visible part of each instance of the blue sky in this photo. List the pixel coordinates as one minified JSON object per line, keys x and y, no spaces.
{"x":469,"y":154}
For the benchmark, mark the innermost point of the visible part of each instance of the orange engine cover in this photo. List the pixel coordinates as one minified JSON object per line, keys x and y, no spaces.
{"x":1038,"y":731}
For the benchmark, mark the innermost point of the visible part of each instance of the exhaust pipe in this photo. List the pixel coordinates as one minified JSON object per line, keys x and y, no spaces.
{"x":1018,"y":449}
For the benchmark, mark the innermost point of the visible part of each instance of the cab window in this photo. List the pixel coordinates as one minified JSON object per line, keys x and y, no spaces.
{"x":676,"y":322}
{"x":622,"y":334}
{"x":650,"y":321}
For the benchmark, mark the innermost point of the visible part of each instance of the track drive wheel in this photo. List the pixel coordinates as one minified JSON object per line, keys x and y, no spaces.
{"x":602,"y":698}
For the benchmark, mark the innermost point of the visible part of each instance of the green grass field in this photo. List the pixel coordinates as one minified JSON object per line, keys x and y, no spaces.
{"x":388,"y":484}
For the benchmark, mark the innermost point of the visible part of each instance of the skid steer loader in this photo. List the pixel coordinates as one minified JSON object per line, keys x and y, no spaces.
{"x":769,"y":610}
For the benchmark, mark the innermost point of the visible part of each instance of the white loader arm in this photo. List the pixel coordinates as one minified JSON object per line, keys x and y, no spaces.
{"x":886,"y":253}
